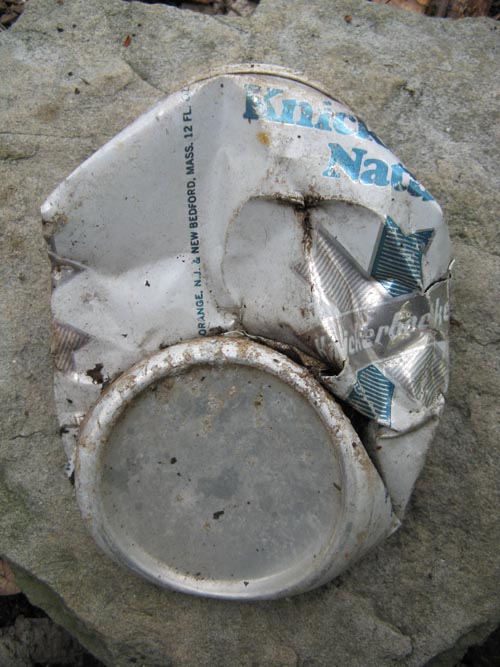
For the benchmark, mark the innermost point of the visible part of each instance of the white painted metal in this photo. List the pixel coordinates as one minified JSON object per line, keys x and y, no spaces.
{"x":251,"y":201}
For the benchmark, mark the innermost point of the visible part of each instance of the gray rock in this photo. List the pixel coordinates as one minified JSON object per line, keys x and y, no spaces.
{"x":430,"y":89}
{"x":38,"y":641}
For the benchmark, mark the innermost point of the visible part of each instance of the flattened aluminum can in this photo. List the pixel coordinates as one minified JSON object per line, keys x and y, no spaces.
{"x":243,"y":253}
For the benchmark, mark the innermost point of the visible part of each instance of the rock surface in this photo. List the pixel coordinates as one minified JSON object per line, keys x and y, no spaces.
{"x":430,"y":89}
{"x":32,"y":641}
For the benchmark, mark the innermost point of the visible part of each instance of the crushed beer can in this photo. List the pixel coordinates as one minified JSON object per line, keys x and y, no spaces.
{"x":241,"y":255}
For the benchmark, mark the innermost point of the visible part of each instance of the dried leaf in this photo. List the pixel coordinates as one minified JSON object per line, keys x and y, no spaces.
{"x":7,"y":580}
{"x":459,"y":9}
{"x":416,"y":6}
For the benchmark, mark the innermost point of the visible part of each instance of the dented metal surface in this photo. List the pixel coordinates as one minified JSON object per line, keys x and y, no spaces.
{"x":253,"y":202}
{"x":247,"y":502}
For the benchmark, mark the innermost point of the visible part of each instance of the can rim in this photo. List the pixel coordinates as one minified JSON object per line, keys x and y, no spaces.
{"x":338,"y":546}
{"x":257,"y":69}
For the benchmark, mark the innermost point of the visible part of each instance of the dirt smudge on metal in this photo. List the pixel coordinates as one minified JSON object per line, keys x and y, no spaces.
{"x":263,"y":138}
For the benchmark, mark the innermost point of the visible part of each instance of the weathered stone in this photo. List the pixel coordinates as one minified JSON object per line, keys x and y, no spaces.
{"x":34,"y":641}
{"x":430,"y":89}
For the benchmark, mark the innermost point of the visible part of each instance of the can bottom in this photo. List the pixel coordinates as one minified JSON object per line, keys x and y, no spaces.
{"x":221,"y":475}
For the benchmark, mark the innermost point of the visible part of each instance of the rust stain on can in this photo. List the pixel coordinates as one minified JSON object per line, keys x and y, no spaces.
{"x":264,"y":138}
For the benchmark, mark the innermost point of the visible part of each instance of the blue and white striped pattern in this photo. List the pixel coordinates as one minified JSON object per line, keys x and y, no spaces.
{"x":339,"y":279}
{"x":372,"y":395}
{"x":421,"y":371}
{"x":398,"y":262}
